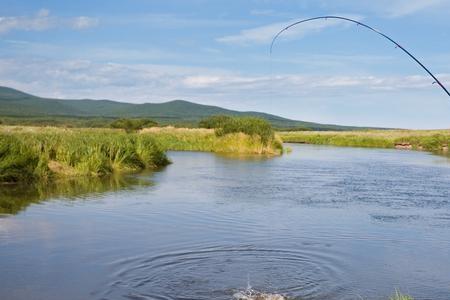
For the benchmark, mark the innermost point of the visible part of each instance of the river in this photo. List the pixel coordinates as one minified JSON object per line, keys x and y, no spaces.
{"x":319,"y":223}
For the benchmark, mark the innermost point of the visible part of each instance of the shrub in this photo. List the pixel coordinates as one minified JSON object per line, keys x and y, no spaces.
{"x":133,"y":124}
{"x":248,"y":125}
{"x":214,"y":122}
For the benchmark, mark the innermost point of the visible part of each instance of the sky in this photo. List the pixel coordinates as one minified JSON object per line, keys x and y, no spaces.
{"x":217,"y":53}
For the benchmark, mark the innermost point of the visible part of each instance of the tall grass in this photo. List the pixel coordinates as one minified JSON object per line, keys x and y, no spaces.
{"x":251,"y":126}
{"x":429,"y":140}
{"x":30,"y":153}
{"x":183,"y":139}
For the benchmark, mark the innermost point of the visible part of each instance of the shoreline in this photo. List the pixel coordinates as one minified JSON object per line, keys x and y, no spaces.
{"x":434,"y":141}
{"x":46,"y":153}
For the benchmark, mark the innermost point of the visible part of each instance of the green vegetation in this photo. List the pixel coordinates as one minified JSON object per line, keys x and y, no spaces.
{"x":400,"y":296}
{"x":299,"y":128}
{"x":428,"y":140}
{"x":18,"y":108}
{"x":58,"y":121}
{"x":185,"y":139}
{"x":251,"y":126}
{"x":130,"y":125}
{"x":31,"y":153}
{"x":216,"y":121}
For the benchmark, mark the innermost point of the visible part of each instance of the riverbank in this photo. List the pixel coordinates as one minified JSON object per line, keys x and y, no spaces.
{"x":28,"y":153}
{"x":425,"y":140}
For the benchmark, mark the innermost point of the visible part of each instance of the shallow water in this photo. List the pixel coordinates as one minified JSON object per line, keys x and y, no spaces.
{"x":319,"y":223}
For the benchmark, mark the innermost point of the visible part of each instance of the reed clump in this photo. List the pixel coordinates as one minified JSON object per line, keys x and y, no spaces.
{"x":199,"y":139}
{"x":258,"y":132}
{"x":248,"y":125}
{"x":30,"y":153}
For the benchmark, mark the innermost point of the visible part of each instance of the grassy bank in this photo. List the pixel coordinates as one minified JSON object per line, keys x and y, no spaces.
{"x":28,"y":153}
{"x":184,"y":139}
{"x":427,"y":140}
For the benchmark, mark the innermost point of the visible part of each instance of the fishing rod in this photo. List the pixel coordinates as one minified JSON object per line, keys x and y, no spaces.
{"x":397,"y":45}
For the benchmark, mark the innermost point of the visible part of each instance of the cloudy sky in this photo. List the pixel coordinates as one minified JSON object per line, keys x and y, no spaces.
{"x":217,"y":52}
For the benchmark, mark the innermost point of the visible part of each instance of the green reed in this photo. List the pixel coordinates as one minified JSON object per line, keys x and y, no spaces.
{"x":428,"y":140}
{"x":50,"y":152}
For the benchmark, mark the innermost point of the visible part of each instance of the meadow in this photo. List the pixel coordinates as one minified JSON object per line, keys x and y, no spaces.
{"x":426,"y":140}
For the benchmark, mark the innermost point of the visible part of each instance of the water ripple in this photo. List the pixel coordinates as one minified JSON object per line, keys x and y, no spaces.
{"x":223,"y":271}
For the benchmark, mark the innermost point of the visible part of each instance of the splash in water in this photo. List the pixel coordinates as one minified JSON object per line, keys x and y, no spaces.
{"x":251,"y":294}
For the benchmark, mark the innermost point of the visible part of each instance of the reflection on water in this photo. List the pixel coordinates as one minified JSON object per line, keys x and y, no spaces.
{"x":320,"y":223}
{"x":16,"y":197}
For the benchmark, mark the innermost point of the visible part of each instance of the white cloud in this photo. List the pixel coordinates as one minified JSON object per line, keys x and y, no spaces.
{"x":83,"y":22}
{"x":144,"y":82}
{"x":199,"y":81}
{"x":363,"y":100}
{"x":399,"y":8}
{"x":42,"y":20}
{"x":389,"y":8}
{"x":264,"y":34}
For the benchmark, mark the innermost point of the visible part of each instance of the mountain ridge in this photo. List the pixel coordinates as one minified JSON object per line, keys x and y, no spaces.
{"x":15,"y":103}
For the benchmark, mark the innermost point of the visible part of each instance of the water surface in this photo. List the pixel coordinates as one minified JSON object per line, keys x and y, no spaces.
{"x":319,"y":223}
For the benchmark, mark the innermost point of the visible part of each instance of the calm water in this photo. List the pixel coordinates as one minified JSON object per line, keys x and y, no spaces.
{"x":319,"y":223}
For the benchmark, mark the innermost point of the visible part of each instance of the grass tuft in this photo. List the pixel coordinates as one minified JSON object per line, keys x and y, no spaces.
{"x":400,"y":296}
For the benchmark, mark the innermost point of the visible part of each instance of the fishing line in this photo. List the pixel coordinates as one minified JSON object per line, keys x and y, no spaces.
{"x":397,"y":45}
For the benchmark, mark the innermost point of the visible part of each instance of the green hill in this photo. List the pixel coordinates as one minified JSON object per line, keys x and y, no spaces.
{"x":17,"y":107}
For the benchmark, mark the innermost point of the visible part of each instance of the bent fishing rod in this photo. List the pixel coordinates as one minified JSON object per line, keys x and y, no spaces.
{"x":397,"y":45}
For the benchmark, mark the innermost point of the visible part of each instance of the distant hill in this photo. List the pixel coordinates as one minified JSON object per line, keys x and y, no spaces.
{"x":17,"y":104}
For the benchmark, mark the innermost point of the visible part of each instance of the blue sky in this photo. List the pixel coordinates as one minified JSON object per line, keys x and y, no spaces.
{"x":217,"y":52}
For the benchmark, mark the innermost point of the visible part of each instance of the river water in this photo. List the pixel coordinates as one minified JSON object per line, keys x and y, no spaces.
{"x":319,"y":223}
